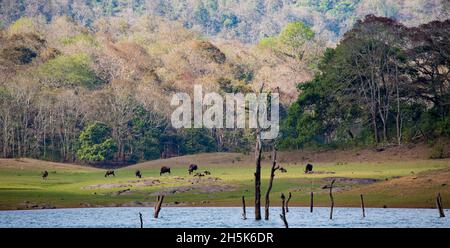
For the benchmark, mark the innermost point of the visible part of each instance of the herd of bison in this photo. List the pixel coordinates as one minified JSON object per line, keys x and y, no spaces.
{"x":192,"y":168}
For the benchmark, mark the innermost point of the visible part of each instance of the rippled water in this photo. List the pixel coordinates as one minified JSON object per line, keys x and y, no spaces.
{"x":221,"y":217}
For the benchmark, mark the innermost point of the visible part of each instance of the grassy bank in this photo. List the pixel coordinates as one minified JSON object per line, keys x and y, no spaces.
{"x":391,"y":183}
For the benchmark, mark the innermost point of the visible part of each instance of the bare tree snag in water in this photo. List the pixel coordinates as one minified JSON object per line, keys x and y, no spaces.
{"x":272,"y":176}
{"x":331,"y":196}
{"x":258,"y":180}
{"x":287,"y":202}
{"x":332,"y":199}
{"x":140,"y":218}
{"x":244,"y":212}
{"x":283,"y":211}
{"x":258,"y":151}
{"x":159,"y":201}
{"x":312,"y":202}
{"x":439,"y":206}
{"x":362,"y":207}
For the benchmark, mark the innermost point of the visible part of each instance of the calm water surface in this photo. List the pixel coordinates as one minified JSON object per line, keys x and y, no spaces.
{"x":220,"y":217}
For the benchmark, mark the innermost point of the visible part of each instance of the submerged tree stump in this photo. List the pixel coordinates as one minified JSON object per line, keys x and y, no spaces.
{"x":244,"y":212}
{"x":440,"y":206}
{"x":331,"y":196}
{"x":159,"y":201}
{"x":283,"y":211}
{"x":362,"y":207}
{"x":140,"y":218}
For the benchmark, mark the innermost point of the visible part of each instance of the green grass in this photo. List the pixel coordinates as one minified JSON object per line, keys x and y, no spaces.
{"x":21,"y":185}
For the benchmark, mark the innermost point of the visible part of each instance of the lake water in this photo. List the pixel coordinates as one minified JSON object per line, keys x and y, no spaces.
{"x":221,"y":217}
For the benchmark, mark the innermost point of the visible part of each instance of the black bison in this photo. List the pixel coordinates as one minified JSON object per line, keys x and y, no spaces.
{"x":138,"y":174}
{"x":192,"y":168}
{"x":283,"y":170}
{"x":44,"y":174}
{"x":109,"y":173}
{"x":164,"y":170}
{"x":309,"y":168}
{"x":207,"y":173}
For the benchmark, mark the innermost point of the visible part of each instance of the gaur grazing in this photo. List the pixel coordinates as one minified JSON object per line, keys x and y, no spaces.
{"x":207,"y":173}
{"x":109,"y":173}
{"x":44,"y":174}
{"x":138,"y":174}
{"x":309,"y":168}
{"x":164,"y":170}
{"x":192,"y":168}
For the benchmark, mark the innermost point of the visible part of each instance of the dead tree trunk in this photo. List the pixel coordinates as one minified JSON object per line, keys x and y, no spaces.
{"x":362,"y":207}
{"x":159,"y":201}
{"x":244,"y":212}
{"x":140,"y":218}
{"x":272,"y":176}
{"x":283,"y":211}
{"x":258,"y":180}
{"x":332,"y":199}
{"x":287,"y":202}
{"x":440,"y":206}
{"x":258,"y":152}
{"x":312,"y":202}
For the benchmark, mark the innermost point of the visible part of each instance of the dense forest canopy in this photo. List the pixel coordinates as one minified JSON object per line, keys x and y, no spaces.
{"x":91,"y":81}
{"x":383,"y":83}
{"x":244,"y":20}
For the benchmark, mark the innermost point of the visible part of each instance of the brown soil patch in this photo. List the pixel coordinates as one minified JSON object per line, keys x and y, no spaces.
{"x":394,"y":153}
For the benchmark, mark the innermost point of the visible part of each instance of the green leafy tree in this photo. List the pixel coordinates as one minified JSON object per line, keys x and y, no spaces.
{"x":291,"y":40}
{"x":293,"y":36}
{"x":198,"y":140}
{"x":96,"y":144}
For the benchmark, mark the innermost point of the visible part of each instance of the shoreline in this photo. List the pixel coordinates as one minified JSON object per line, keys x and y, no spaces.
{"x":305,"y":207}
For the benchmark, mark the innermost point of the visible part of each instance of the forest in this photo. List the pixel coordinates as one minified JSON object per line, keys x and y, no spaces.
{"x":383,"y":83}
{"x":94,"y":87}
{"x":244,"y":20}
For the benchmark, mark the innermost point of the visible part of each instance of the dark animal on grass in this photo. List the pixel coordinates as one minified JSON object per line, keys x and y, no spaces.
{"x":309,"y":168}
{"x":138,"y":174}
{"x":109,"y":173}
{"x":199,"y":175}
{"x":44,"y":174}
{"x":283,"y":170}
{"x":207,"y":173}
{"x":192,"y":168}
{"x":164,"y":170}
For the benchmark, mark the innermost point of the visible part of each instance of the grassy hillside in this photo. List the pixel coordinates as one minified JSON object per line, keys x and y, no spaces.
{"x":400,"y":182}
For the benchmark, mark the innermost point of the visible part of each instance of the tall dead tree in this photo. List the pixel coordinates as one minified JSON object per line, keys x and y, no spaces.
{"x":159,"y":201}
{"x":258,"y":154}
{"x":274,"y":168}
